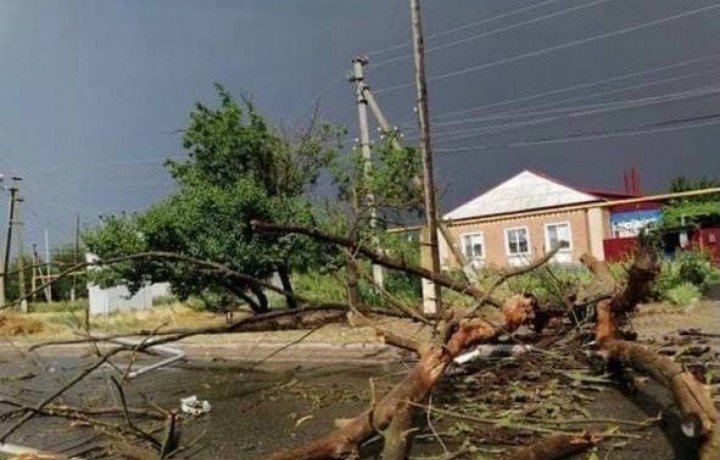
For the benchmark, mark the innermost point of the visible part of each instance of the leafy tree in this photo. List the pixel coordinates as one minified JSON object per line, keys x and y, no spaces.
{"x":392,"y":179}
{"x":238,"y":169}
{"x":63,"y":258}
{"x":694,"y":210}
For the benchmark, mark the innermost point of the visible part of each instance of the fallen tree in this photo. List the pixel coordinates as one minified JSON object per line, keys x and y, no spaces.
{"x":391,"y":415}
{"x":700,"y":417}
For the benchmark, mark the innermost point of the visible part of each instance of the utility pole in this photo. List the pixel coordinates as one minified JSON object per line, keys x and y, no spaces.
{"x":359,"y":79}
{"x":48,"y":288}
{"x":21,"y":257}
{"x":77,"y":252}
{"x":8,"y":240}
{"x":35,"y":267}
{"x":431,"y":305}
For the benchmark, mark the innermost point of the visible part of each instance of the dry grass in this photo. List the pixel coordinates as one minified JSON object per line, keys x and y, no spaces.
{"x":67,"y":324}
{"x":64,"y":324}
{"x":12,"y":324}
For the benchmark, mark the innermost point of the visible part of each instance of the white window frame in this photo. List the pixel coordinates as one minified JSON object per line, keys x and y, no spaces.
{"x":482,"y":243}
{"x":569,"y":248}
{"x":507,"y":241}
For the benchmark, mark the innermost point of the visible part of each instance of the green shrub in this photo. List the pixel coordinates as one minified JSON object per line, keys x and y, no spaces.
{"x":683,"y":294}
{"x":551,"y":284}
{"x":697,"y":268}
{"x":685,"y":277}
{"x":324,"y":287}
{"x":164,"y":300}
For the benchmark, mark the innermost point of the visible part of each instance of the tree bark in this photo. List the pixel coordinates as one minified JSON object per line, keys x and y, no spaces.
{"x":414,"y":388}
{"x":553,"y":447}
{"x":262,"y":302}
{"x":700,"y":417}
{"x":284,"y":273}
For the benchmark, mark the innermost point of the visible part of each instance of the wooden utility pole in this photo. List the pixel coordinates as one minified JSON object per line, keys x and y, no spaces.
{"x":431,"y":305}
{"x":35,"y":267}
{"x":48,"y":262}
{"x":8,"y":240}
{"x":359,"y":79}
{"x":77,"y":253}
{"x":21,"y":257}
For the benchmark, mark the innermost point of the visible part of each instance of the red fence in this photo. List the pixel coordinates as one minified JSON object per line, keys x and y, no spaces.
{"x":708,"y":240}
{"x":618,"y":249}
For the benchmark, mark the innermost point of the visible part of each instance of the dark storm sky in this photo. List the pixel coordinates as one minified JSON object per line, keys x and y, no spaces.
{"x":93,"y":91}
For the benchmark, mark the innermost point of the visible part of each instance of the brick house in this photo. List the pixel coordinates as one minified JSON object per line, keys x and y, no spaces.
{"x":522,"y":218}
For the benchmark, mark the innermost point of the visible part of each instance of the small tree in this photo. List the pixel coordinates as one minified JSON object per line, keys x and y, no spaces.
{"x":238,"y":169}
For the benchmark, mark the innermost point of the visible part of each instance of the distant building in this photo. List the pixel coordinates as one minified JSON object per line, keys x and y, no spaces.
{"x":522,"y":218}
{"x":104,"y":301}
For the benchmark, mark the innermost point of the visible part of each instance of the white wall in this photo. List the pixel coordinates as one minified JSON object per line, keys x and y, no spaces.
{"x":118,"y":298}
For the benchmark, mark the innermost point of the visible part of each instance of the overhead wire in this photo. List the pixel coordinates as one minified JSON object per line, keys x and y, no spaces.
{"x":579,"y":86}
{"x":492,"y":32}
{"x":407,"y":43}
{"x":532,"y":110}
{"x":540,"y":52}
{"x":660,"y":127}
{"x":580,"y":111}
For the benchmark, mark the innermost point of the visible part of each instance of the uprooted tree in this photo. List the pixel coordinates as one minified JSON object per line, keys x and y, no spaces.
{"x":391,"y":414}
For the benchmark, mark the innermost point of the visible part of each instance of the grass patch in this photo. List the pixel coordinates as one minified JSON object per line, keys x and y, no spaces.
{"x":55,"y":307}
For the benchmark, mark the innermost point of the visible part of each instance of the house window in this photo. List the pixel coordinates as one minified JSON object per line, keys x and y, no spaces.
{"x":473,"y":246}
{"x":558,"y":234}
{"x":517,"y":241}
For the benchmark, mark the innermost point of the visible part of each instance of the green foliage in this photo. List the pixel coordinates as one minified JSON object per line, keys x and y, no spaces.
{"x":689,"y":212}
{"x":392,"y":179}
{"x":682,"y":294}
{"x":321,"y":286}
{"x":239,"y":169}
{"x":692,"y":211}
{"x":65,"y":257}
{"x":688,"y":269}
{"x":683,"y":184}
{"x":56,"y":307}
{"x":551,"y":284}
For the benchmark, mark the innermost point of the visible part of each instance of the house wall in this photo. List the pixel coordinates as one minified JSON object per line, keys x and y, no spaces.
{"x":494,"y":236}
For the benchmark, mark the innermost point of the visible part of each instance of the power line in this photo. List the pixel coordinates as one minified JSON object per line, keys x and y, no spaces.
{"x":106,"y":163}
{"x":666,"y":126}
{"x":504,"y":102}
{"x":531,"y":110}
{"x":495,"y":31}
{"x":590,"y":110}
{"x":407,"y":44}
{"x":656,"y":128}
{"x":582,"y":41}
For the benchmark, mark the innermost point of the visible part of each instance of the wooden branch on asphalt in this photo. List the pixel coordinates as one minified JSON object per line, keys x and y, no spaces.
{"x":414,"y":388}
{"x":701,"y":419}
{"x":556,"y":446}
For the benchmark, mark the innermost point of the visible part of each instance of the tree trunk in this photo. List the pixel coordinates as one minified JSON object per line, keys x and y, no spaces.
{"x":262,"y":303}
{"x":353,"y":295}
{"x":284,"y":273}
{"x":413,"y":389}
{"x":700,"y":417}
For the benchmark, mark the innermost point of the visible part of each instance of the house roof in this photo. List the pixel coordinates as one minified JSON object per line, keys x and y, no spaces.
{"x":522,"y":192}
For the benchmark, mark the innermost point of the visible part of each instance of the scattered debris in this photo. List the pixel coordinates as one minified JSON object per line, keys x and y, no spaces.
{"x":194,"y":406}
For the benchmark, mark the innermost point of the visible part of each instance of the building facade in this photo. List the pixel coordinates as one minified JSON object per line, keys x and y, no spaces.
{"x":524,"y":217}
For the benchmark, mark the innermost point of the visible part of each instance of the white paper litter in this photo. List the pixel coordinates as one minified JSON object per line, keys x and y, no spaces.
{"x":193,"y":406}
